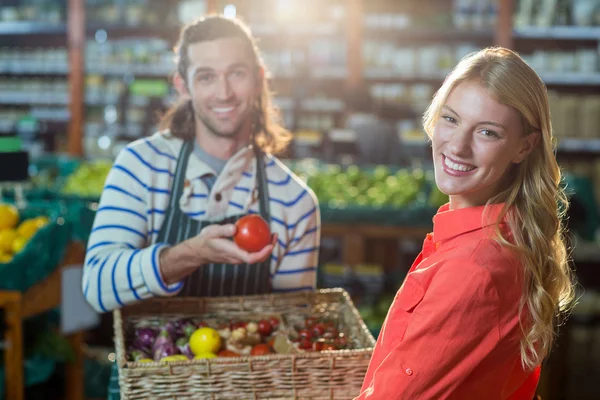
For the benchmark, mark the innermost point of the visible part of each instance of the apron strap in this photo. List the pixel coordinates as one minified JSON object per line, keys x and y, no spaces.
{"x":263,"y":185}
{"x":167,"y":233}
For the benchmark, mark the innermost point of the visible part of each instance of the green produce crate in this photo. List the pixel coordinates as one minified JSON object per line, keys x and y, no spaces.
{"x":43,"y":251}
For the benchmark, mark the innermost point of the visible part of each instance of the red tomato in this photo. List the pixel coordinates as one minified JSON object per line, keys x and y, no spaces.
{"x":252,"y":233}
{"x":264,"y":327}
{"x":329,"y":346}
{"x":305,"y":344}
{"x":304,"y":334}
{"x":260,"y":350}
{"x":318,"y":330}
{"x":318,"y":345}
{"x":237,"y":324}
{"x":228,"y":353}
{"x":274,"y":322}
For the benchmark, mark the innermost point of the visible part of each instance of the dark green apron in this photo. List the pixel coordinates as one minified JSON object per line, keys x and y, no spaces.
{"x":211,"y":279}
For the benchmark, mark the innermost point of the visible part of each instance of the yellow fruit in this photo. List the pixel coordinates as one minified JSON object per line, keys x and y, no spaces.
{"x":5,"y":258}
{"x":204,"y":355}
{"x":18,"y":244}
{"x":27,"y":228}
{"x":41,"y":221}
{"x":146,"y":360}
{"x":9,"y":216}
{"x":7,"y":237}
{"x":205,"y":340}
{"x":176,"y":357}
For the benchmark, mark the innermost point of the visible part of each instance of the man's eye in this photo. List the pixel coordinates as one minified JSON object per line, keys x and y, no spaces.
{"x":205,"y":78}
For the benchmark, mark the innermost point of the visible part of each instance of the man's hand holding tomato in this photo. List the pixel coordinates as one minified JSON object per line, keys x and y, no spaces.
{"x":214,"y":244}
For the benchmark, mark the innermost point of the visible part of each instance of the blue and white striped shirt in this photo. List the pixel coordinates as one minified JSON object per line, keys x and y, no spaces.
{"x":121,"y":263}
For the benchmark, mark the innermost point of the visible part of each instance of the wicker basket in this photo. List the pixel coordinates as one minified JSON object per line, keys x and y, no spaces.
{"x":326,"y":375}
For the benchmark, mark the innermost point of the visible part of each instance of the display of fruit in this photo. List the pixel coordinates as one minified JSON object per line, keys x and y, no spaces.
{"x":318,"y":334}
{"x":88,"y":179}
{"x":373,"y":187}
{"x":374,"y":314}
{"x":188,"y":339}
{"x":14,"y":236}
{"x":252,"y":233}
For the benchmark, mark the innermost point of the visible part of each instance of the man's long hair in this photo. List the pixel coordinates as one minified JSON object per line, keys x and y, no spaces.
{"x":268,"y":133}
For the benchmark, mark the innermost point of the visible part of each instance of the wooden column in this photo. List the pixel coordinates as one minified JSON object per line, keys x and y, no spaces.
{"x":354,"y":39}
{"x":504,"y":26}
{"x":211,"y":6}
{"x":76,"y":43}
{"x":13,"y":353}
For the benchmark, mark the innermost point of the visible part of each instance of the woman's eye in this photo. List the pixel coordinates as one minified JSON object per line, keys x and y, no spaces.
{"x":489,"y":133}
{"x":449,"y":119}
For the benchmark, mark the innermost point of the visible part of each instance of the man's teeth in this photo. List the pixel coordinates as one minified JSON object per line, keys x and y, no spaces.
{"x":457,"y":167}
{"x":223,"y":109}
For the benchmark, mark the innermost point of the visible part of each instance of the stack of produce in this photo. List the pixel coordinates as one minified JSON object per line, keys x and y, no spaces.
{"x":14,"y":233}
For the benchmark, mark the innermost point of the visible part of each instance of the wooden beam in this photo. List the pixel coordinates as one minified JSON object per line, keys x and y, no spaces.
{"x":211,"y":6}
{"x":504,"y":26}
{"x":76,"y":43}
{"x":354,"y":40}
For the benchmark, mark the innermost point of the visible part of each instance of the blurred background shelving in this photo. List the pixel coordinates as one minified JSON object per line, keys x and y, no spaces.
{"x":83,"y":78}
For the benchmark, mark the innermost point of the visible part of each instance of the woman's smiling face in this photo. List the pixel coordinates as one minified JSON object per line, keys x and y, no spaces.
{"x":475,"y":142}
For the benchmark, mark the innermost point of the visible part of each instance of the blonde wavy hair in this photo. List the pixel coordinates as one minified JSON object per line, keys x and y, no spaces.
{"x":535,"y":203}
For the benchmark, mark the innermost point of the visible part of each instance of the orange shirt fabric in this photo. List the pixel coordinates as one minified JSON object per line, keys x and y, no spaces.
{"x":452,"y":331}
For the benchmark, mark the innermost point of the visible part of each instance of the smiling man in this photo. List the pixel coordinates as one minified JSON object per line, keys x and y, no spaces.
{"x":169,"y":206}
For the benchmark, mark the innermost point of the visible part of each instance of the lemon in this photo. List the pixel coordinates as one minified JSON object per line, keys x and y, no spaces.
{"x":146,"y":360}
{"x":28,"y":228}
{"x":205,"y":340}
{"x":5,"y":258}
{"x":18,"y":244}
{"x":41,"y":221}
{"x":9,"y":216}
{"x":7,"y":237}
{"x":176,"y":357}
{"x":204,"y":355}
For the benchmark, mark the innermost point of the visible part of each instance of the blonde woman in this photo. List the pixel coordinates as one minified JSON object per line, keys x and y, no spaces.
{"x":477,"y":313}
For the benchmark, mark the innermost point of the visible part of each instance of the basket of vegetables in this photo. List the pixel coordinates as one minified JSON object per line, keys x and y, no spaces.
{"x":290,"y":345}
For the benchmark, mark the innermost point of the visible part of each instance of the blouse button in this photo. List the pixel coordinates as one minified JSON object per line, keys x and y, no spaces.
{"x":218,"y":197}
{"x":409,"y":371}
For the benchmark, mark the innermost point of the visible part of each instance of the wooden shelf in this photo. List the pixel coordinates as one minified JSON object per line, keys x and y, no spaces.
{"x":571,"y":78}
{"x":558,"y":33}
{"x":32,"y":28}
{"x":591,"y":146}
{"x":450,"y":34}
{"x":43,"y":297}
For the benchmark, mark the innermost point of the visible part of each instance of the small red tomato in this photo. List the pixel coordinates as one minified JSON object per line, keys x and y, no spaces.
{"x":264,"y":327}
{"x":201,"y":324}
{"x":318,"y":330}
{"x":237,"y":324}
{"x":329,"y":346}
{"x":305,"y":334}
{"x":228,"y":353}
{"x":252,"y":233}
{"x":261,"y":350}
{"x":306,"y":344}
{"x":318,"y":345}
{"x":341,"y":341}
{"x":274,"y":322}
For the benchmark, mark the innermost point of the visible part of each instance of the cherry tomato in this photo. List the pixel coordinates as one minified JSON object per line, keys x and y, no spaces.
{"x":329,"y":346}
{"x":228,"y":353}
{"x":261,"y":350}
{"x":306,"y":344}
{"x":237,"y":324}
{"x":274,"y":322}
{"x":318,"y":345}
{"x":318,"y":330}
{"x":264,"y":327}
{"x":252,"y":233}
{"x":305,"y":334}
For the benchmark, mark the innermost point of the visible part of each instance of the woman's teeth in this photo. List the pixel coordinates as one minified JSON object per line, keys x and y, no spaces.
{"x":457,"y":167}
{"x":222,"y":110}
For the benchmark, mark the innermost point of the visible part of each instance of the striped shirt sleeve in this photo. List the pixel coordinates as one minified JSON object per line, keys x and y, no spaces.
{"x":120,"y":268}
{"x":297,"y":268}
